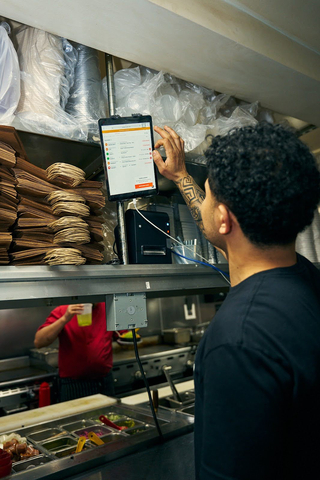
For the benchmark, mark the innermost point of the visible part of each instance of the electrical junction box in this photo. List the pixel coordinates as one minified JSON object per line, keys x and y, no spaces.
{"x":126,"y":311}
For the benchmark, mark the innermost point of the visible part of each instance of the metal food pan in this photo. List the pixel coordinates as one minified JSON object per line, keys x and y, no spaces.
{"x":113,"y":437}
{"x":41,"y":435}
{"x":113,"y":416}
{"x":186,"y":397}
{"x":71,"y":427}
{"x":29,"y":442}
{"x":99,"y":430}
{"x":58,"y":444}
{"x":46,"y":355}
{"x":176,"y":336}
{"x":72,"y":451}
{"x":137,"y":430}
{"x":30,"y":463}
{"x":188,"y":410}
{"x":129,"y":423}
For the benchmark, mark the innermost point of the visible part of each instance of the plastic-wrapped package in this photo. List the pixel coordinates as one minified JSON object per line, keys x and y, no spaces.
{"x":228,"y":107}
{"x":239,"y":118}
{"x":141,"y":99}
{"x":316,"y":233}
{"x":70,"y":55}
{"x":265,"y":115}
{"x":193,"y":136}
{"x":251,"y":108}
{"x":9,"y":77}
{"x":305,"y":244}
{"x":191,"y":104}
{"x":125,"y":81}
{"x":44,"y":84}
{"x":167,"y":109}
{"x":86,"y":102}
{"x":193,"y":111}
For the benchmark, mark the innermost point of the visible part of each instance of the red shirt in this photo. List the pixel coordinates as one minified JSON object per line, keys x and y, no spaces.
{"x":84,"y":352}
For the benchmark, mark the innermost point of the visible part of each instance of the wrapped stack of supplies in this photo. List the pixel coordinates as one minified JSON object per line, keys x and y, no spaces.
{"x":57,"y":212}
{"x":8,"y":200}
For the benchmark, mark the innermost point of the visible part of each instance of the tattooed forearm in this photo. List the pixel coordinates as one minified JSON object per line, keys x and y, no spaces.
{"x":193,"y":196}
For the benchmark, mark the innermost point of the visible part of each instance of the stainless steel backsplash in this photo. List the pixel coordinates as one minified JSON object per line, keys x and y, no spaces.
{"x":18,"y":326}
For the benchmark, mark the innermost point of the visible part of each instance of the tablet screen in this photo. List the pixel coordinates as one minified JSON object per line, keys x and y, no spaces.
{"x":128,"y":157}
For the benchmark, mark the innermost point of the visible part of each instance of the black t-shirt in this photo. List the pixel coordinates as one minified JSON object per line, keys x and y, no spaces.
{"x":257,"y":380}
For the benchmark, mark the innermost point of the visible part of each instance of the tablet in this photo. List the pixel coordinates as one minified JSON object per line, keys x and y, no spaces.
{"x":127,"y":145}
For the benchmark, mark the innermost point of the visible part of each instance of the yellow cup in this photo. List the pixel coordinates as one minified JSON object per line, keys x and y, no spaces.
{"x":85,"y":319}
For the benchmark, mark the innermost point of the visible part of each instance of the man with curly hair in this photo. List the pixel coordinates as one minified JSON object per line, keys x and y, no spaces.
{"x":257,"y":370}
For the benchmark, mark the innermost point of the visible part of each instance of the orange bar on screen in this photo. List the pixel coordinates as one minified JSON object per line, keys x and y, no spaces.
{"x":143,"y":185}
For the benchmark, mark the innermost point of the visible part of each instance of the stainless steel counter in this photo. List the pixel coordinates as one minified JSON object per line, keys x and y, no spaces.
{"x":172,"y":459}
{"x":56,"y":442}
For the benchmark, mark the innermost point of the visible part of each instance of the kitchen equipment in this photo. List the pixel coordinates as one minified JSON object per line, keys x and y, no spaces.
{"x":176,"y":336}
{"x":166,"y":370}
{"x":31,"y":463}
{"x":186,"y":398}
{"x":129,"y":423}
{"x":57,"y":456}
{"x":98,"y":430}
{"x":59,"y":444}
{"x":71,"y":427}
{"x":108,"y":422}
{"x":20,"y":380}
{"x":47,"y":355}
{"x":128,"y":376}
{"x":145,"y":243}
{"x":80,"y":445}
{"x":95,"y":439}
{"x":42,"y":435}
{"x":198,"y":331}
{"x":188,"y":410}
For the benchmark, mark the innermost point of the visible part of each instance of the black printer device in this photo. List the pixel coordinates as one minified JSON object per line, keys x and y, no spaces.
{"x":146,"y":245}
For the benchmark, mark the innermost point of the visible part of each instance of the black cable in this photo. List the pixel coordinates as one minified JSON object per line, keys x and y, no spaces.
{"x":146,"y":384}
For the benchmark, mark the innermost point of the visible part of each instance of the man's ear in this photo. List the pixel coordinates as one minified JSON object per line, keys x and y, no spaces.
{"x":225,"y":219}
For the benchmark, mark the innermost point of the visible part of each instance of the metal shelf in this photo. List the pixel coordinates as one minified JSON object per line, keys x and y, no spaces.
{"x":42,"y":285}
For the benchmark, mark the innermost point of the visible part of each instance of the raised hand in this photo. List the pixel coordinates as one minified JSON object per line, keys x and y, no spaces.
{"x":174,"y":167}
{"x":73,"y":310}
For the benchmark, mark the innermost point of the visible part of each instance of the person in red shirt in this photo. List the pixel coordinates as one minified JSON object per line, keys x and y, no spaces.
{"x":85,"y":353}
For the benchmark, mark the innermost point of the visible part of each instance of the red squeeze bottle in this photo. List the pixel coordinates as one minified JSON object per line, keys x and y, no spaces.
{"x":44,"y":394}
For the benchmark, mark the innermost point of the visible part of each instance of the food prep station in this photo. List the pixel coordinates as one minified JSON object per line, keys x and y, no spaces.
{"x":57,"y":440}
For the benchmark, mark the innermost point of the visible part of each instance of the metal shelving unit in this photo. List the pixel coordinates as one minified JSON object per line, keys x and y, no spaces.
{"x":47,"y":286}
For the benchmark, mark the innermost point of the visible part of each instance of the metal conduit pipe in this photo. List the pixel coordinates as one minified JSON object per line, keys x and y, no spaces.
{"x":120,"y":205}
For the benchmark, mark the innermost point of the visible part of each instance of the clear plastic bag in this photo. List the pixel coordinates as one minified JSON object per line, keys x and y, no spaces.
{"x":125,"y":81}
{"x":9,"y":77}
{"x":44,"y":85}
{"x":193,"y":111}
{"x":193,"y":136}
{"x":239,"y":118}
{"x":70,"y":56}
{"x":141,"y":98}
{"x":184,"y":106}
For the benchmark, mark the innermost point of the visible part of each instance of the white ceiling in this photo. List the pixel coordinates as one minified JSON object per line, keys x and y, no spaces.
{"x":266,"y":50}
